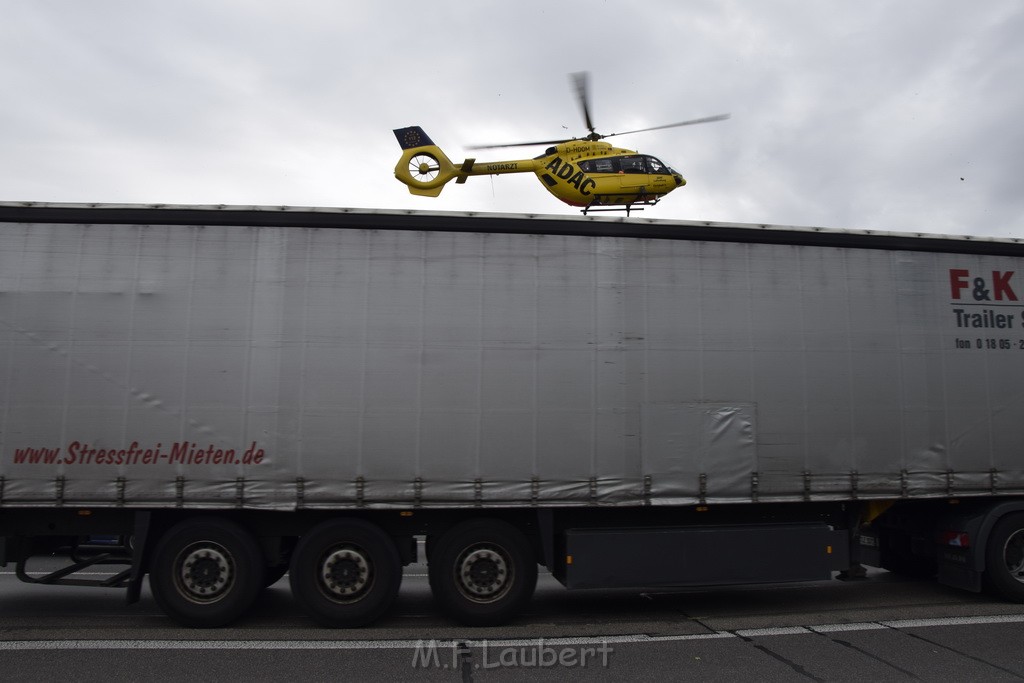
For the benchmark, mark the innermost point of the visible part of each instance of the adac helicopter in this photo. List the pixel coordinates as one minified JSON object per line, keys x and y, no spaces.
{"x":585,"y":172}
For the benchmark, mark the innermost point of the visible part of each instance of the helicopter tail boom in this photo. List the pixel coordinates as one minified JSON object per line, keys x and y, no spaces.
{"x":425,"y":169}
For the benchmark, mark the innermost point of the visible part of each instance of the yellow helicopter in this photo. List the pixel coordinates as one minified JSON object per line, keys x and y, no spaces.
{"x":584,"y":172}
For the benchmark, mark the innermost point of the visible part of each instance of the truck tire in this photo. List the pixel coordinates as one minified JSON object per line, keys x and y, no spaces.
{"x":346,"y":573}
{"x":1004,"y":558}
{"x":482,"y":572}
{"x":206,"y":572}
{"x":274,"y":574}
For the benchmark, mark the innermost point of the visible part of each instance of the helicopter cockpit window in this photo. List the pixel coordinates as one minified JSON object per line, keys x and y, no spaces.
{"x":632,"y":164}
{"x":655,"y":166}
{"x":598,"y":166}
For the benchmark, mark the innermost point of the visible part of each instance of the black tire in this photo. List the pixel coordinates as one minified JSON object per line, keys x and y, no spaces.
{"x":346,"y":573}
{"x":206,"y":572}
{"x":483,"y":572}
{"x":1004,"y":558}
{"x":274,"y":574}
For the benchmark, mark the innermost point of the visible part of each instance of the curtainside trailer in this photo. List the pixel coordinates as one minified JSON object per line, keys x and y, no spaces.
{"x":215,"y":396}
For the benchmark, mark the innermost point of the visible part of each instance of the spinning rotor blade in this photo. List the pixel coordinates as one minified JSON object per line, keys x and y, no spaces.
{"x":521,"y":144}
{"x":581,"y":81}
{"x":706,"y":119}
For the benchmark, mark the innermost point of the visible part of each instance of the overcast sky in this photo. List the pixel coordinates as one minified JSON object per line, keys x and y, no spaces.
{"x":900,"y":116}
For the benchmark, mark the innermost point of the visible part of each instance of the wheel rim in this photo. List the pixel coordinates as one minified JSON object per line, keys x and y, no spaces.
{"x":345,"y":573}
{"x":424,"y":167}
{"x":484,"y":573}
{"x":205,"y":572}
{"x":1013,"y":555}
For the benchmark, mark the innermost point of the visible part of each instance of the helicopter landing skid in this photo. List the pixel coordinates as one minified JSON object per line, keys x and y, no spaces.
{"x":632,"y":206}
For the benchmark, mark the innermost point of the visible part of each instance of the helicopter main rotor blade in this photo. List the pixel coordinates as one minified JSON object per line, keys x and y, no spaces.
{"x":581,"y":80}
{"x":706,"y":119}
{"x":521,"y":144}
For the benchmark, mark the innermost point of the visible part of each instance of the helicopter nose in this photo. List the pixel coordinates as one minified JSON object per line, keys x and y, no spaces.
{"x":680,"y":180}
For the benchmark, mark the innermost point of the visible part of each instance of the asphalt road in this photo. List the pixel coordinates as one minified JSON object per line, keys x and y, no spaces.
{"x":883,"y":628}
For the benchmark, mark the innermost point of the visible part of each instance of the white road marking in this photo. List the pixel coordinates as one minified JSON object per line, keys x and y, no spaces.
{"x":855,"y":626}
{"x":780,"y":631}
{"x":406,"y":644}
{"x":955,"y":621}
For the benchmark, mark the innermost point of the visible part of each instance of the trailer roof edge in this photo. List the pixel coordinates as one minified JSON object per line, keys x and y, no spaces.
{"x":540,"y":224}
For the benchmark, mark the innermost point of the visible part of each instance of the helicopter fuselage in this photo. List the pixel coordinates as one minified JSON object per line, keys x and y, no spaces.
{"x":596,"y":174}
{"x":592,"y":175}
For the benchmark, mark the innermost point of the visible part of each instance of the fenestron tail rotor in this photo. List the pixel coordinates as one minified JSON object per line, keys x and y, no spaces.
{"x":424,"y":167}
{"x":581,"y":82}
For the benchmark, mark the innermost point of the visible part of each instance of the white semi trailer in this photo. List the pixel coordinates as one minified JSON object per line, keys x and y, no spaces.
{"x":236,"y":392}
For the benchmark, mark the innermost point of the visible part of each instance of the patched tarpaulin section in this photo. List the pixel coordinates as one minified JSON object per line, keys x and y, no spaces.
{"x":271,"y":367}
{"x":704,"y":452}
